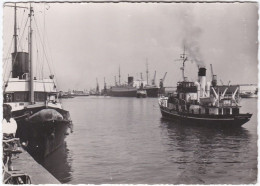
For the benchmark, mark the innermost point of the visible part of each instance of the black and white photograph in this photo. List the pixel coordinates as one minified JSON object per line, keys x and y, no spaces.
{"x":113,"y":92}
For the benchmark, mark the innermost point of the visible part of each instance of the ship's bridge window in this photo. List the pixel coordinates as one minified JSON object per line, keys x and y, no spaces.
{"x":21,"y":96}
{"x":52,"y":97}
{"x":226,"y":111}
{"x":8,"y":97}
{"x":235,"y":110}
{"x":40,"y":96}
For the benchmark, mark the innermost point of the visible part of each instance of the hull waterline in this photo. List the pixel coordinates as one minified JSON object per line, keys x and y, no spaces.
{"x":207,"y":120}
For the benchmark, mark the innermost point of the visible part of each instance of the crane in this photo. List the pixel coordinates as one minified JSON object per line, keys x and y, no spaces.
{"x":212,"y":74}
{"x":105,"y":87}
{"x":164,"y":77}
{"x":97,"y":89}
{"x":153,"y":81}
{"x":213,"y":77}
{"x":221,"y":82}
{"x":162,"y":89}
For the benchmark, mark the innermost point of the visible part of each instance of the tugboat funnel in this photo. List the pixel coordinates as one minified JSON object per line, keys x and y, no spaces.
{"x":202,"y":81}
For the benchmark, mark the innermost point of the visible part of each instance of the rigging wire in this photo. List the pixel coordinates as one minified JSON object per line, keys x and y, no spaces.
{"x":48,"y":50}
{"x":37,"y":57}
{"x":19,"y":43}
{"x":52,"y":61}
{"x":42,"y":44}
{"x":6,"y":58}
{"x":20,"y":25}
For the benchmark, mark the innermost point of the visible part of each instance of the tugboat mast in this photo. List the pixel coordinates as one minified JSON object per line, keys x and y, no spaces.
{"x":184,"y":58}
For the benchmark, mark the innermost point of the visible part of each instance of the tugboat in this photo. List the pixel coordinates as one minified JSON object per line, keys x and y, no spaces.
{"x":203,"y":102}
{"x":141,"y":93}
{"x":42,"y":122}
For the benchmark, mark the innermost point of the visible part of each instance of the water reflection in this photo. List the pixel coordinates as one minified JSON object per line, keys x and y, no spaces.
{"x":59,"y":164}
{"x":201,"y":153}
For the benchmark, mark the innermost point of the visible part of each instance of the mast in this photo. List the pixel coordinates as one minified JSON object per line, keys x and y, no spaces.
{"x":184,"y":58}
{"x":97,"y":88}
{"x":30,"y":57}
{"x":147,"y":71}
{"x":119,"y":75}
{"x":115,"y":81}
{"x":15,"y":30}
{"x":105,"y":85}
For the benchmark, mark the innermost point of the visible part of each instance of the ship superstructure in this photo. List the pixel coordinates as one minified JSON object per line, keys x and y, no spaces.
{"x":42,"y":122}
{"x":203,"y":102}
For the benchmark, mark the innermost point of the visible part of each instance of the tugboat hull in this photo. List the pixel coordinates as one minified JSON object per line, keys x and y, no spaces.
{"x":209,"y":120}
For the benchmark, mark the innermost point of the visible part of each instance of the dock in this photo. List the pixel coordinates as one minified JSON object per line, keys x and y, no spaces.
{"x":38,"y":174}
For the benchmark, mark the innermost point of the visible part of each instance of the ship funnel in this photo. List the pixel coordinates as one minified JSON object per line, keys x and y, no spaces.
{"x":130,"y":80}
{"x":20,"y":64}
{"x":202,"y":81}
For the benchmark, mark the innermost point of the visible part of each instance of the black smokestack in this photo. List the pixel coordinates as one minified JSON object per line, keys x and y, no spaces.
{"x":130,"y":80}
{"x":202,"y":71}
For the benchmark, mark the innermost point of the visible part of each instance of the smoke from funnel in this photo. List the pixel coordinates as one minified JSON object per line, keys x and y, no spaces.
{"x":191,"y":37}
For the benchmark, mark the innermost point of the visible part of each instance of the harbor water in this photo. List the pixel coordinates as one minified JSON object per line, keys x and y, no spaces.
{"x":125,"y":140}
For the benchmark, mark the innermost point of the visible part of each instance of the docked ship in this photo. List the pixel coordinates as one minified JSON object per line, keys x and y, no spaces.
{"x":203,"y":102}
{"x":42,"y":122}
{"x":152,"y":89}
{"x":249,"y":94}
{"x":141,"y":94}
{"x":78,"y":93}
{"x":124,"y":90}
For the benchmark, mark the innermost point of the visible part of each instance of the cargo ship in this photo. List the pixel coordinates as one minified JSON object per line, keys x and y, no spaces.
{"x":203,"y":103}
{"x":124,"y":90}
{"x":152,"y":89}
{"x":42,"y":121}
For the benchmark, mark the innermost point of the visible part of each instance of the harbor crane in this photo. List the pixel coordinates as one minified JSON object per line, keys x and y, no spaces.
{"x":212,"y":74}
{"x":153,"y":81}
{"x":221,"y":82}
{"x":162,"y":80}
{"x":97,"y":89}
{"x":164,"y":77}
{"x":213,"y":77}
{"x":105,"y":85}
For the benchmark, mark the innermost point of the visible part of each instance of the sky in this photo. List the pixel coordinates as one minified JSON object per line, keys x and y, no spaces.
{"x":89,"y":41}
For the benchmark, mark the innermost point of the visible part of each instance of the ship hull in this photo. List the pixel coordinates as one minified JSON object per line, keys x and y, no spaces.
{"x":141,"y":95}
{"x":208,"y":120}
{"x":248,"y":96}
{"x":42,"y":132}
{"x":123,"y":92}
{"x":152,"y":92}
